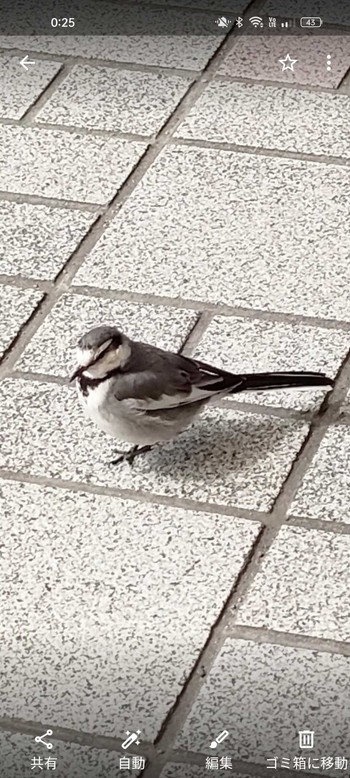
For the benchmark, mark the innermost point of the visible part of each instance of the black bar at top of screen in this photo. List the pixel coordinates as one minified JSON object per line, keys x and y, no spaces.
{"x":163,"y":17}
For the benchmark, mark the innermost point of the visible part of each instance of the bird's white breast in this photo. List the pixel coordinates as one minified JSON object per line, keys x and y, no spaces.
{"x":96,"y":405}
{"x":109,"y":414}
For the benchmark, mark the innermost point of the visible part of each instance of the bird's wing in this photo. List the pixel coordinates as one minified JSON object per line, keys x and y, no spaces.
{"x":158,"y":380}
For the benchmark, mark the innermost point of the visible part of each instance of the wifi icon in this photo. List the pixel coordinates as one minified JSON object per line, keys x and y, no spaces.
{"x":256,"y":21}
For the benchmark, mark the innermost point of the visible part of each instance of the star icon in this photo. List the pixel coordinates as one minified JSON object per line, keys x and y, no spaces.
{"x":288,"y":63}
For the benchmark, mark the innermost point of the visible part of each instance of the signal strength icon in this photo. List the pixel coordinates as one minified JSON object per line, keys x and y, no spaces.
{"x":256,"y":21}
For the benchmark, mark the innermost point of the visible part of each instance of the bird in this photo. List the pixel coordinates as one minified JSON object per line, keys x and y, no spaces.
{"x":145,"y":395}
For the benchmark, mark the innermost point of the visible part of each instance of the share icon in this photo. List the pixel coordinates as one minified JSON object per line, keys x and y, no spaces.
{"x":40,"y":738}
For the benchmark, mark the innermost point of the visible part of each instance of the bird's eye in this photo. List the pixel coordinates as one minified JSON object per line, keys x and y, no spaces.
{"x":100,"y":352}
{"x":102,"y":349}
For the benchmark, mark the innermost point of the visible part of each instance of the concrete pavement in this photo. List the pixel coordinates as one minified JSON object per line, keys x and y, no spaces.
{"x":191,"y":193}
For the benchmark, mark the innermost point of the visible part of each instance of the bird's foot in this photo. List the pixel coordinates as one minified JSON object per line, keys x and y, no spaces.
{"x":129,"y":456}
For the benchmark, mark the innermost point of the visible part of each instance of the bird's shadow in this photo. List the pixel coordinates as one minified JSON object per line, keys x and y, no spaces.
{"x":224,"y":446}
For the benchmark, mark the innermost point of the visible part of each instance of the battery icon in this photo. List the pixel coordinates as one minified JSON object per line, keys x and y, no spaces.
{"x":310,"y":21}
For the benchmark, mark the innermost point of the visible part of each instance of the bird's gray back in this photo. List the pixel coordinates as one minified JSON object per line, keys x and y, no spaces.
{"x":151,"y":373}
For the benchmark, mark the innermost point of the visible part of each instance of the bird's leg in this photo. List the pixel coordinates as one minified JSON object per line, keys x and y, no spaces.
{"x":129,"y":456}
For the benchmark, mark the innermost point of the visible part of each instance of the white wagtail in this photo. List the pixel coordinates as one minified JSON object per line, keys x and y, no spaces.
{"x":144,"y":395}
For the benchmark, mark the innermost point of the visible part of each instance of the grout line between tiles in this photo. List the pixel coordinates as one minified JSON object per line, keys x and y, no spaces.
{"x":20,"y":282}
{"x":192,"y":143}
{"x":8,"y":474}
{"x":70,"y":59}
{"x":260,"y":151}
{"x":200,"y":306}
{"x":71,"y":129}
{"x":196,"y":333}
{"x":219,"y":309}
{"x":293,"y":87}
{"x":50,"y":202}
{"x":344,"y":82}
{"x":31,"y":112}
{"x":290,"y":639}
{"x":321,"y":525}
{"x":231,"y":512}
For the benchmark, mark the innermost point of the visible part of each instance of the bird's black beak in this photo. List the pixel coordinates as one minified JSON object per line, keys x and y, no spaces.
{"x":76,"y":374}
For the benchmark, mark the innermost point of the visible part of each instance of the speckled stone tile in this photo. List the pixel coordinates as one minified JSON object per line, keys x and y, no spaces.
{"x":246,"y":346}
{"x":98,"y":651}
{"x":228,"y":458}
{"x":68,"y":166}
{"x":301,"y":586}
{"x":52,"y":348}
{"x":333,"y":13}
{"x":36,"y":240}
{"x":271,"y":118}
{"x":119,"y":100}
{"x":206,"y":224}
{"x":22,"y":87}
{"x":258,"y":58}
{"x":185,"y":41}
{"x":16,"y":307}
{"x":325,"y":490}
{"x":71,"y":760}
{"x":264,"y":694}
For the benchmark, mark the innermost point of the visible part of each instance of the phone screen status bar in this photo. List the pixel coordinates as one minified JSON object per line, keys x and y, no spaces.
{"x":258,"y":23}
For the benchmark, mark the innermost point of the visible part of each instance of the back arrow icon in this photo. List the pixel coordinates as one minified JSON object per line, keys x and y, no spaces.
{"x":25,"y":61}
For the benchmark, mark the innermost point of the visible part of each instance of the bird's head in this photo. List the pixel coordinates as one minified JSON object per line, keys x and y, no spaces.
{"x":100,"y":351}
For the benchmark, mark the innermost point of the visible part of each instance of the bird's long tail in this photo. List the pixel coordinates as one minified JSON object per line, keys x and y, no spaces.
{"x":265,"y":381}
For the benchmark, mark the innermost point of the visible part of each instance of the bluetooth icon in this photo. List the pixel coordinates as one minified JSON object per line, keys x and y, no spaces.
{"x":239,"y":22}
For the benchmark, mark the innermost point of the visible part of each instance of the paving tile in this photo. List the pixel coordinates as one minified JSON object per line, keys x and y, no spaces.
{"x":258,"y":58}
{"x":264,"y":694}
{"x":119,"y":100}
{"x":53,"y":347}
{"x":245,"y":346}
{"x":36,"y":241}
{"x":72,"y":760}
{"x":185,"y":41}
{"x":325,"y":489}
{"x":333,"y":13}
{"x":271,"y":118}
{"x":16,"y":307}
{"x":69,"y":166}
{"x":22,"y":87}
{"x":301,"y":586}
{"x":234,"y":229}
{"x":118,"y":651}
{"x":228,"y":457}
